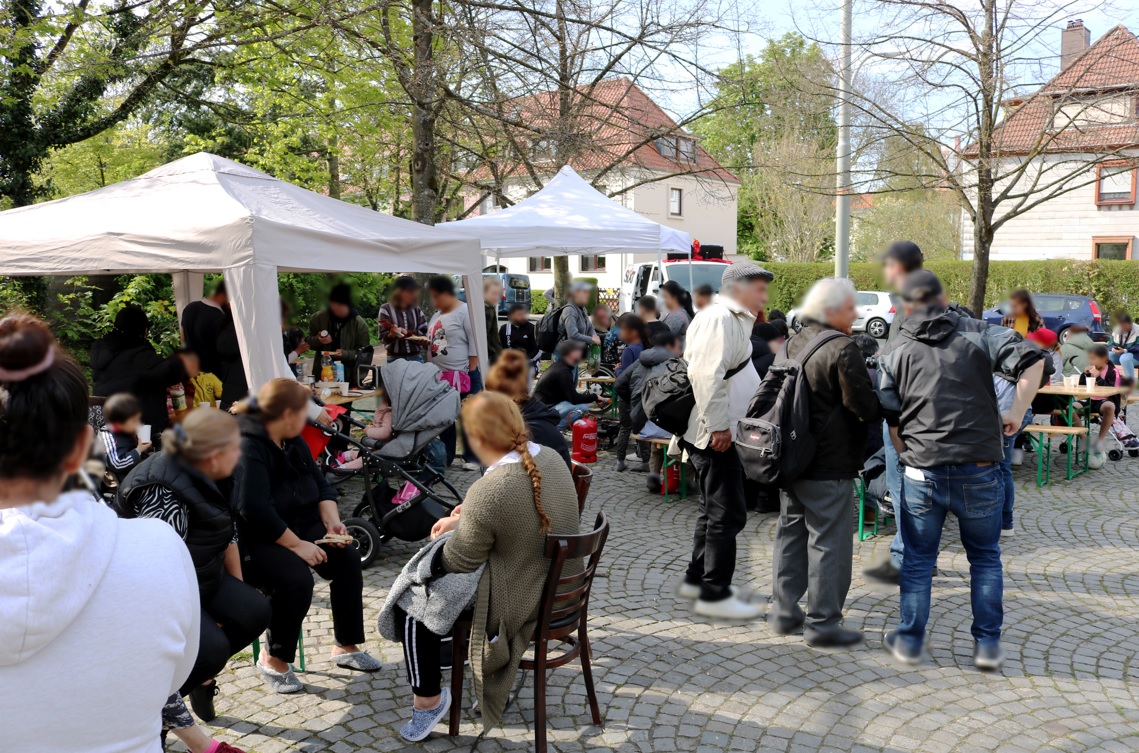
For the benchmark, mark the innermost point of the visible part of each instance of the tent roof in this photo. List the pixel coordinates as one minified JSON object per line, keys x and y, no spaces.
{"x":569,"y":216}
{"x":204,"y":213}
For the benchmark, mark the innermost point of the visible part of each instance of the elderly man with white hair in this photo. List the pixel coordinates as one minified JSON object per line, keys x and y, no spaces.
{"x":718,"y":353}
{"x":814,"y":537}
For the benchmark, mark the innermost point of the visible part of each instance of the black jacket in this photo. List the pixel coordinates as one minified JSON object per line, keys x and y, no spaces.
{"x":274,"y":488}
{"x":202,"y":323}
{"x":125,"y":364}
{"x":761,"y":355}
{"x":559,"y":385}
{"x":842,"y":403}
{"x":118,"y":451}
{"x":493,"y":344}
{"x":520,"y":337}
{"x":542,"y":421}
{"x":209,"y":516}
{"x":935,"y":381}
{"x":234,"y":387}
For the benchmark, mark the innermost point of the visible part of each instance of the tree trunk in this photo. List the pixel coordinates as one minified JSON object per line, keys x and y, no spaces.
{"x":982,"y":241}
{"x":424,"y":178}
{"x":334,"y":167}
{"x":561,"y":279}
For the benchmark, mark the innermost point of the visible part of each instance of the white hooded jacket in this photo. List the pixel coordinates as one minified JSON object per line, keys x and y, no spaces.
{"x":98,"y":626}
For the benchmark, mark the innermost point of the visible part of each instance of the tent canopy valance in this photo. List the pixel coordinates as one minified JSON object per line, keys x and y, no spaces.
{"x":569,"y":216}
{"x":202,"y":214}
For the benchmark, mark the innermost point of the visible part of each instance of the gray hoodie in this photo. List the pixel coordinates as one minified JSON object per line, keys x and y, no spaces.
{"x":649,"y":365}
{"x":575,"y":325}
{"x":935,"y":384}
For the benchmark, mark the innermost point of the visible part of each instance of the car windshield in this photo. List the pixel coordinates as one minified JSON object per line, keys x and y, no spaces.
{"x":702,"y":274}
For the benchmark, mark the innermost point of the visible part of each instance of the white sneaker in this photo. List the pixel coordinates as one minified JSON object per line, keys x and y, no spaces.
{"x":728,"y":609}
{"x":472,"y":467}
{"x":691,"y":591}
{"x":1017,"y":457}
{"x":1005,"y":532}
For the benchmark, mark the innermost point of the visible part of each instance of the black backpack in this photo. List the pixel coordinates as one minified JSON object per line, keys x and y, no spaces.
{"x":547,"y":334}
{"x":775,"y":442}
{"x":668,"y":400}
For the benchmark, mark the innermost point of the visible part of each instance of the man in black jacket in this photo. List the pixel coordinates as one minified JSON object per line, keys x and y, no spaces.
{"x":557,"y":387}
{"x":202,"y":323}
{"x":936,"y":386}
{"x":814,"y":538}
{"x":519,"y":333}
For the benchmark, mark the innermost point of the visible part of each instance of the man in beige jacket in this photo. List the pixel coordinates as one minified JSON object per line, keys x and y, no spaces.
{"x":723,"y":382}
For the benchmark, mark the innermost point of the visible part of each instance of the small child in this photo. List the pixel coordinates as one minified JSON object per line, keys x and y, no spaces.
{"x":1102,"y":372}
{"x":647,"y":308}
{"x":375,"y":435}
{"x":119,"y":446}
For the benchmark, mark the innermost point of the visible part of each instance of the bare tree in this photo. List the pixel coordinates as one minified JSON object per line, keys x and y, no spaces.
{"x":964,"y":84}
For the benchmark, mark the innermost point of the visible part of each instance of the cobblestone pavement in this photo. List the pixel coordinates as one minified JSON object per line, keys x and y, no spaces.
{"x":669,"y":681}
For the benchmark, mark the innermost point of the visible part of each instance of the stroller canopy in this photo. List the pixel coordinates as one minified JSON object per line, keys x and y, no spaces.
{"x":422,"y":406}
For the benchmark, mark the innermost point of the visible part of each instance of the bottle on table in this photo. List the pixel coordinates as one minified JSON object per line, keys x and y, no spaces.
{"x":326,"y":374}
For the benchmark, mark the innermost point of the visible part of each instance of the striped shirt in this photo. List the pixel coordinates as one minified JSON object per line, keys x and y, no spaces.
{"x":411,"y":319}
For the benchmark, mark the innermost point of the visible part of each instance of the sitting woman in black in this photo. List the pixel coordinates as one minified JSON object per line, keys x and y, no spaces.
{"x":187,"y":486}
{"x":284,"y":505}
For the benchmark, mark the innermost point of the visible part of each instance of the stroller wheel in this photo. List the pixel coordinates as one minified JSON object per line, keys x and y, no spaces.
{"x":1133,"y":453}
{"x":1115,"y":455}
{"x":367,"y":538}
{"x":1063,"y":448}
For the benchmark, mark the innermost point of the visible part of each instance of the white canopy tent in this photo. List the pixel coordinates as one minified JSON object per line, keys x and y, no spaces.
{"x":569,"y":216}
{"x":205,"y":214}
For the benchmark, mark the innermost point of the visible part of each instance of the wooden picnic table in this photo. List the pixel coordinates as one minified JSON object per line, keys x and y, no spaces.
{"x":1081,"y":394}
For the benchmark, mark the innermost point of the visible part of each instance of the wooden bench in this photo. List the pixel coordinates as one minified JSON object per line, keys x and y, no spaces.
{"x":1041,"y":439}
{"x":668,"y":463}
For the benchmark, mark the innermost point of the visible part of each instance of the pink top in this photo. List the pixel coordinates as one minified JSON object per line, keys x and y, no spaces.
{"x":381,"y":428}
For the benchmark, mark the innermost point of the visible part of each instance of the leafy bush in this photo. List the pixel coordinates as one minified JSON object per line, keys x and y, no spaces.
{"x":1113,"y":284}
{"x":538,"y":303}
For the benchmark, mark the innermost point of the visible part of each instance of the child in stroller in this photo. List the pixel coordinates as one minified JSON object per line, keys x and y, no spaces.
{"x":402,"y":469}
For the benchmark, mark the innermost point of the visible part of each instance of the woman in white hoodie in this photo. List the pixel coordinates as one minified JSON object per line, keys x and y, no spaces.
{"x":98,"y":616}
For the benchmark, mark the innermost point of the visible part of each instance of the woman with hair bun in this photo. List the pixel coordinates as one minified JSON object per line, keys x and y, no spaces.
{"x":98,"y":621}
{"x":187,"y":485}
{"x":285,"y":505}
{"x":526,"y":493}
{"x":510,"y":376}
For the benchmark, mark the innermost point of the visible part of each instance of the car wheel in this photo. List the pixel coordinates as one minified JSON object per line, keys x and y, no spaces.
{"x":877,"y":328}
{"x":1062,"y":336}
{"x":366,"y":538}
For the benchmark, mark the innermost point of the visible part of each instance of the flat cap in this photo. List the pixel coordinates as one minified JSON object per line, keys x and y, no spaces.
{"x":921,"y":286}
{"x":743,"y":270}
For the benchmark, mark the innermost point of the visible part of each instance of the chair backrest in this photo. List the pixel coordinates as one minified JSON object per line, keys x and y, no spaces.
{"x":582,"y":479}
{"x":565,"y":598}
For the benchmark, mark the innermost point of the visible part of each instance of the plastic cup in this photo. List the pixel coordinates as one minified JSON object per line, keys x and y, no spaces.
{"x":1090,"y":387}
{"x":343,"y":386}
{"x":204,"y":405}
{"x":144,"y":434}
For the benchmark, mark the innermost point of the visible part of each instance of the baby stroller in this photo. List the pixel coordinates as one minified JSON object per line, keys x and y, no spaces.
{"x":422,"y":407}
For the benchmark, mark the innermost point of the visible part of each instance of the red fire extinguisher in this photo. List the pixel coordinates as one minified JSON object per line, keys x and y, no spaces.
{"x":671,"y":480}
{"x":585,"y":439}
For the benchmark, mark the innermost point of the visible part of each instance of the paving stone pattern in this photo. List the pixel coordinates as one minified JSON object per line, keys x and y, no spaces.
{"x":671,"y":681}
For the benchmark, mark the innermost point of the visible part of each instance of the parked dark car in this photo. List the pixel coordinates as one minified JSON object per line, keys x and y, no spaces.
{"x":515,"y":289}
{"x":1060,"y":311}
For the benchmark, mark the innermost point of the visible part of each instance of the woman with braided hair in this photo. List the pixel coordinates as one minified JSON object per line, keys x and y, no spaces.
{"x":525,"y":493}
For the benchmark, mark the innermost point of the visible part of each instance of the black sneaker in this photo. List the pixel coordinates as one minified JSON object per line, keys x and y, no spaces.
{"x":884,"y":573}
{"x":202,"y":701}
{"x":836,"y":637}
{"x":988,"y":656}
{"x":899,"y":650}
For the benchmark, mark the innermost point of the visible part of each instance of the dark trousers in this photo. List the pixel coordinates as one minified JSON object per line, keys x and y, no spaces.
{"x":231,"y":618}
{"x":288,"y":581}
{"x":722,"y":516}
{"x":814,"y":549}
{"x":422,"y":654}
{"x":625,"y":420}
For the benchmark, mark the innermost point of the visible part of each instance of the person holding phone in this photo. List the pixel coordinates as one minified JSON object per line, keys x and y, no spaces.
{"x":284,"y":507}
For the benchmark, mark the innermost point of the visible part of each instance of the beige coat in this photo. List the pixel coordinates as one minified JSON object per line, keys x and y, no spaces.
{"x":499,"y":526}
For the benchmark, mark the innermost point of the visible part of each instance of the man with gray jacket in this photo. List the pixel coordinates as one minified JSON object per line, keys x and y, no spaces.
{"x":718,"y":352}
{"x":936,"y":388}
{"x":574,"y":323}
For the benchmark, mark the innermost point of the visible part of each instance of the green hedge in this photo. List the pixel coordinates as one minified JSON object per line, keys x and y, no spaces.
{"x":1113,"y":284}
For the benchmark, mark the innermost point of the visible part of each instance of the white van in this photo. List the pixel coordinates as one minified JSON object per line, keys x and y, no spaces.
{"x":645,"y":279}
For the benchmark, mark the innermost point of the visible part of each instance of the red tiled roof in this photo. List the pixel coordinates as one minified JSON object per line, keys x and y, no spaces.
{"x":615,"y":116}
{"x":1111,"y":64}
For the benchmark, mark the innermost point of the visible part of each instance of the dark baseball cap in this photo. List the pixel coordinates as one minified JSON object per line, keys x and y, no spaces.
{"x":921,"y":286}
{"x":906,"y":253}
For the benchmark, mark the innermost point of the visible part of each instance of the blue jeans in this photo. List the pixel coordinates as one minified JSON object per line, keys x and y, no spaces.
{"x":1006,"y":473}
{"x":417,"y":358}
{"x":1126,"y":360}
{"x":569,"y":413}
{"x":974,"y":494}
{"x":894,"y":487}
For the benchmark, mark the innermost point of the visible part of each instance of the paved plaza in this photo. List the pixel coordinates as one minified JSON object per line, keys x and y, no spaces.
{"x":668,"y":681}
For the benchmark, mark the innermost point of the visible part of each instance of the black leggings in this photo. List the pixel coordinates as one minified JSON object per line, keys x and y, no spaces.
{"x":288,"y":581}
{"x":231,"y":618}
{"x":422,"y":653}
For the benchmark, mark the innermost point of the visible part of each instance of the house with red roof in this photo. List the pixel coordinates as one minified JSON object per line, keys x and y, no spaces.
{"x":629,"y":148}
{"x":1081,"y":129}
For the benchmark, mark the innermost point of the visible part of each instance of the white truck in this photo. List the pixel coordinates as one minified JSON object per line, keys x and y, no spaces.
{"x":646,"y":278}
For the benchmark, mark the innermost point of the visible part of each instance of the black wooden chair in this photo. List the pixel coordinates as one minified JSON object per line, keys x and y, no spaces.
{"x":562,"y":617}
{"x":582,"y":480}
